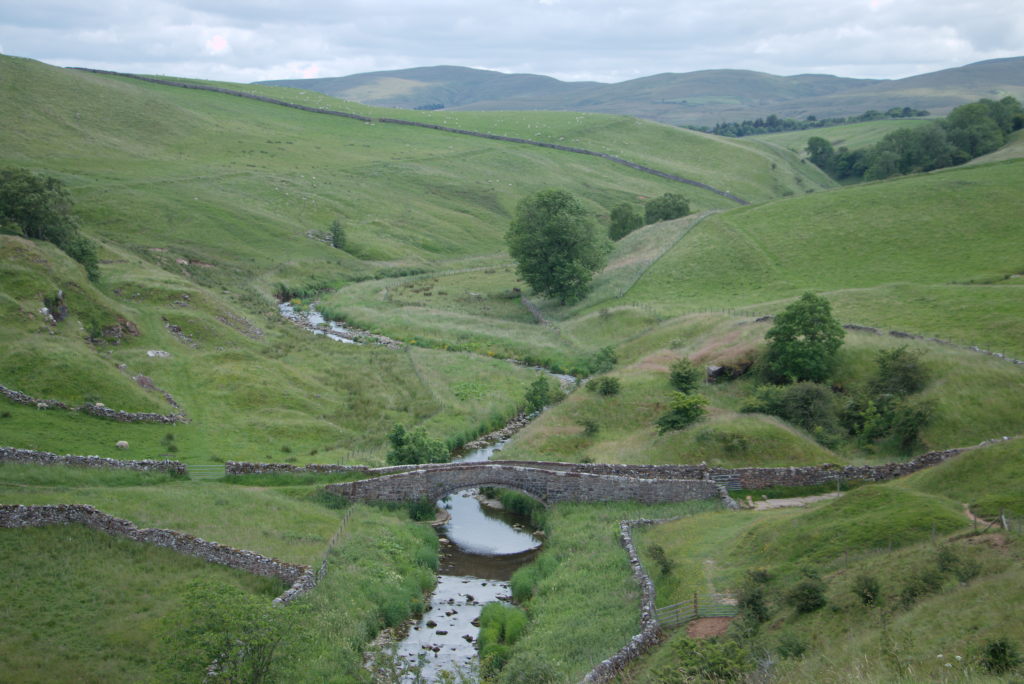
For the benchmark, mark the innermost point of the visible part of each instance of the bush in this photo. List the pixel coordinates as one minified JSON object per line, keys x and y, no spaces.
{"x":685,"y":376}
{"x":657,"y":554}
{"x":602,"y":361}
{"x":623,"y":221}
{"x":338,"y":238}
{"x":704,"y":660}
{"x":415,"y":447}
{"x":666,"y":207}
{"x":752,"y":604}
{"x":791,"y":646}
{"x":421,"y":509}
{"x":899,"y":373}
{"x":807,"y":596}
{"x":684,"y":410}
{"x":867,"y":589}
{"x":1000,"y":656}
{"x":590,"y":426}
{"x":539,"y":394}
{"x":919,"y":584}
{"x":605,"y":386}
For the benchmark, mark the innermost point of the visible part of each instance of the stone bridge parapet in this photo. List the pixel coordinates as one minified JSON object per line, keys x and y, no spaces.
{"x":546,"y":485}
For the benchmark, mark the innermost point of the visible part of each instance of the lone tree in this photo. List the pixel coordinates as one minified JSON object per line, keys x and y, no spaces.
{"x":803,"y":343}
{"x":623,"y":221}
{"x":338,"y":239}
{"x":668,"y":206}
{"x":555,"y":246}
{"x":40,"y":208}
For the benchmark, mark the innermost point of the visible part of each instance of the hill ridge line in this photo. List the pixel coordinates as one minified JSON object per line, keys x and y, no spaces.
{"x":420,"y":124}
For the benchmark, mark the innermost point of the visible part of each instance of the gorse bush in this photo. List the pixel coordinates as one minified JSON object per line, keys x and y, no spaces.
{"x":807,"y":596}
{"x":867,"y":589}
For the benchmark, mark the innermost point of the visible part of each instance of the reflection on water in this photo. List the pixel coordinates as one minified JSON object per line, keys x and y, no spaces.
{"x":481,"y":548}
{"x":485,"y":533}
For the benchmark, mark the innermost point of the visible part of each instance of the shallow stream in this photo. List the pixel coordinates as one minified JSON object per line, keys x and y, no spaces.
{"x":480,"y":549}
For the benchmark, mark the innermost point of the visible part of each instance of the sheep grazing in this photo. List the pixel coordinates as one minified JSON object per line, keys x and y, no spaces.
{"x":121,"y":444}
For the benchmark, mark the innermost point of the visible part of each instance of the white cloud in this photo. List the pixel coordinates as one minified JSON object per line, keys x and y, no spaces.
{"x":571,"y":39}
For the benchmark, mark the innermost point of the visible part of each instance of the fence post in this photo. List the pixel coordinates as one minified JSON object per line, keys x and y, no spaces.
{"x":696,"y":606}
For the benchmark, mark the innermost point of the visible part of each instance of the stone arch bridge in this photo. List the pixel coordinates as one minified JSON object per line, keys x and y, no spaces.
{"x":547,"y":485}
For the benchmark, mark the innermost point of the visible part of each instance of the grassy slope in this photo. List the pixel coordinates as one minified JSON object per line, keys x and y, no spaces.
{"x":854,"y":136}
{"x":933,"y":231}
{"x":72,"y":593}
{"x":890,"y":531}
{"x":976,"y":397}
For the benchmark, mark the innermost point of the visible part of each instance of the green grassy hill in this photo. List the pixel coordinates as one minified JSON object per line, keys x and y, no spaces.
{"x":204,"y":206}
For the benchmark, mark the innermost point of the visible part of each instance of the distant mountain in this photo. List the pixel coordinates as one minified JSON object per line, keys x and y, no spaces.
{"x":694,"y":98}
{"x":435,"y":87}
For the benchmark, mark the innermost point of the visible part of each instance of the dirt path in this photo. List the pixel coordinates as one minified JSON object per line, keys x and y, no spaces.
{"x":704,"y":628}
{"x":793,"y":502}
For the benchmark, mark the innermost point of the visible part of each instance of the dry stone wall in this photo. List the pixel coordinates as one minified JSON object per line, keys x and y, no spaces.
{"x":14,"y":455}
{"x":94,"y":409}
{"x":301,"y":578}
{"x":650,"y":633}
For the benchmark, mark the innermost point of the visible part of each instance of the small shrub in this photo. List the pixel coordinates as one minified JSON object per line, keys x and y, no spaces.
{"x":705,"y":660}
{"x":539,"y":394}
{"x":684,"y":375}
{"x":908,"y":419}
{"x":759,"y":575}
{"x":657,"y":554}
{"x":867,"y":589}
{"x":684,"y":410}
{"x":1000,"y":656}
{"x":286,"y":449}
{"x":409,"y":447}
{"x":807,"y":596}
{"x":919,"y":584}
{"x":421,"y":509}
{"x":949,"y":560}
{"x":602,"y":361}
{"x":590,"y":426}
{"x":791,"y":646}
{"x":752,"y":604}
{"x":605,"y":386}
{"x":899,"y":373}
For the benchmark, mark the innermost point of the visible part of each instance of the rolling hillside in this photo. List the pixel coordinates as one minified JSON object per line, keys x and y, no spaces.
{"x":701,"y":98}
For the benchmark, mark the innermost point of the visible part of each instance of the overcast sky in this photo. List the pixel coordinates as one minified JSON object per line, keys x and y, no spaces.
{"x":601,"y":40}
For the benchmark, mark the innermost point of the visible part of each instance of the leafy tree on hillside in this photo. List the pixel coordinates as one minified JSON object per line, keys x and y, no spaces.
{"x":624,"y":220}
{"x":803,"y":342}
{"x":668,"y":206}
{"x":40,"y":208}
{"x":821,"y":153}
{"x":556,"y":248}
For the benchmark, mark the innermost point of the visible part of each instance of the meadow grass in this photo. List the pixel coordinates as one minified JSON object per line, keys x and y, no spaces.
{"x":377,"y":576}
{"x":80,"y":605}
{"x":988,"y":479}
{"x":268,"y":521}
{"x":910,"y":230}
{"x":582,"y":601}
